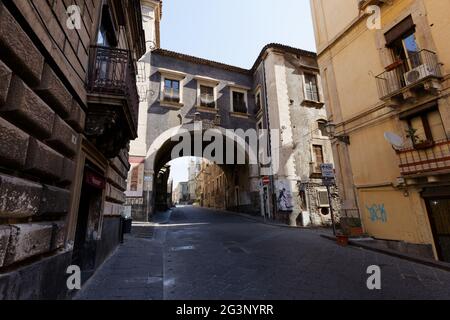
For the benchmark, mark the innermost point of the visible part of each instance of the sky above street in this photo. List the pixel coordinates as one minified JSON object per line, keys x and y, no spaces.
{"x":232,"y":32}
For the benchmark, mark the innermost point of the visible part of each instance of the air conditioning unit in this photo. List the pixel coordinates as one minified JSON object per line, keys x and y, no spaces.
{"x":322,"y":197}
{"x":419,"y":73}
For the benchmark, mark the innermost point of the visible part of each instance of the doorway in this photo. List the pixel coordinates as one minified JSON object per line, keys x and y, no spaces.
{"x":439,"y":213}
{"x":89,"y":219}
{"x":266,"y":204}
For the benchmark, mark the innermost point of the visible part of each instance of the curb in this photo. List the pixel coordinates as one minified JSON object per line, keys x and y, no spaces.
{"x":424,"y":261}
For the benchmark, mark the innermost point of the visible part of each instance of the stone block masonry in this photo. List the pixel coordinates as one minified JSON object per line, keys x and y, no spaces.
{"x":28,"y":240}
{"x":5,"y":81}
{"x":40,"y":122}
{"x":18,"y":49}
{"x":19,"y":198}
{"x":27,"y":109}
{"x":52,"y":90}
{"x":13,"y":145}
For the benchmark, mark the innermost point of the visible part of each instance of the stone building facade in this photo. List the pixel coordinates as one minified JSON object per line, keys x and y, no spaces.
{"x":386,"y":67}
{"x":68,"y":109}
{"x":281,"y":92}
{"x":287,"y":86}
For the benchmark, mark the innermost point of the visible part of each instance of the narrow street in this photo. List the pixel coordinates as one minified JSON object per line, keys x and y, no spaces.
{"x":196,"y":253}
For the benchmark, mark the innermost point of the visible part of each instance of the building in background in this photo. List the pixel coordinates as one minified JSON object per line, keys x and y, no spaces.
{"x":192,"y":174}
{"x":65,"y":124}
{"x":212,"y":186}
{"x":387,"y":92}
{"x":181,"y":193}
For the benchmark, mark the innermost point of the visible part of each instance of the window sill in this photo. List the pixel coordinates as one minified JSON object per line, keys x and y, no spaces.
{"x":312,"y":103}
{"x":239,"y":115}
{"x":206,"y":109}
{"x":171,"y":104}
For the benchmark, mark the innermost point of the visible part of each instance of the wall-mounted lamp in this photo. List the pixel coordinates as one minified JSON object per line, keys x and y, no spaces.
{"x":331,"y":131}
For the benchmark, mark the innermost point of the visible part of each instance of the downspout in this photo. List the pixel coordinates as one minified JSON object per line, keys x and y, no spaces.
{"x":266,"y":109}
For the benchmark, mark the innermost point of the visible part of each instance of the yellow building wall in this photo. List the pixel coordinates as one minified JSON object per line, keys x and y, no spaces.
{"x":373,"y":159}
{"x":388,"y":213}
{"x":351,"y":62}
{"x":438,"y":13}
{"x":356,"y":66}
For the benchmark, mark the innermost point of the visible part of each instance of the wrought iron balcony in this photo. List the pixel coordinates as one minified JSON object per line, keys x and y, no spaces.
{"x":112,"y":73}
{"x":112,"y":116}
{"x":401,"y":75}
{"x":431,"y":158}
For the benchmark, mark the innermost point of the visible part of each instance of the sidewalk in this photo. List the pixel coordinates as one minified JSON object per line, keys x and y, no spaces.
{"x":370,"y":244}
{"x":135,"y":270}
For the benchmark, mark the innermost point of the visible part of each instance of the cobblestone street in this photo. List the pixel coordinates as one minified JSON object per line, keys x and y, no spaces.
{"x":196,"y":253}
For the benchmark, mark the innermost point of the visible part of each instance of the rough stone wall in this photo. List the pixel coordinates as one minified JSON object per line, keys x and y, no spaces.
{"x":40,"y":126}
{"x":43,"y":99}
{"x":297,"y":120}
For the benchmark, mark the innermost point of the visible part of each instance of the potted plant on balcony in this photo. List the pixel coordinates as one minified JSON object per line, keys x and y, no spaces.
{"x":418,"y":143}
{"x":394,"y":65}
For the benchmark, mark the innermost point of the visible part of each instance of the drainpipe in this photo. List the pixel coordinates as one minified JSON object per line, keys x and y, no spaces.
{"x":266,"y":111}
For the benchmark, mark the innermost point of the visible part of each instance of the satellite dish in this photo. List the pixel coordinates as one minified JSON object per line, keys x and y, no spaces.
{"x":395,"y":140}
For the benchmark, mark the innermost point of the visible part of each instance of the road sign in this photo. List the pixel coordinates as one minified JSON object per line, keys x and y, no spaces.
{"x":266,"y":180}
{"x":327,"y":170}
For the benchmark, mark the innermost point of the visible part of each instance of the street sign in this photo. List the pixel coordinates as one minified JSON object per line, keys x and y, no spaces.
{"x":327,"y":170}
{"x":266,"y":180}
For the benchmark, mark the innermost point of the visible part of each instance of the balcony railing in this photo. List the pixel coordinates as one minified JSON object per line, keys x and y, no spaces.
{"x":431,"y":159}
{"x":417,"y":68}
{"x":112,"y":73}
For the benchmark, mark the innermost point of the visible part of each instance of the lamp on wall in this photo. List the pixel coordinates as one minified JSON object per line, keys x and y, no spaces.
{"x":331,"y":131}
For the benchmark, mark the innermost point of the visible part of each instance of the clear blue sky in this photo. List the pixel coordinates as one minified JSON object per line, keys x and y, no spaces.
{"x":232,"y":32}
{"x":235,"y":31}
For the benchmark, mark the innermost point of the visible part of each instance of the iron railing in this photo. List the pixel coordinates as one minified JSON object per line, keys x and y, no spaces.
{"x":112,"y":72}
{"x":403,"y":73}
{"x":433,"y":158}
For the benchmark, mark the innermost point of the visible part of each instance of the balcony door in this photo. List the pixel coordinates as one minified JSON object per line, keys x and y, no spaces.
{"x":402,"y":42}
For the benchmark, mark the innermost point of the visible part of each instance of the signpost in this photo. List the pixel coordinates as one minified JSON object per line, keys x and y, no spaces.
{"x":328,"y":177}
{"x":266,"y":180}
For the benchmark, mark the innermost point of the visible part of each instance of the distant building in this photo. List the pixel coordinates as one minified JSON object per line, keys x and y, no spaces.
{"x":181,"y":193}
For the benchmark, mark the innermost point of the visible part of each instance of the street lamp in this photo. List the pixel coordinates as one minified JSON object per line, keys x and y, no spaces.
{"x":331,"y":131}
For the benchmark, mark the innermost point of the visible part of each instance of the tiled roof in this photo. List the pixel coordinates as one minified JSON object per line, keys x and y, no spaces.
{"x":284,"y":48}
{"x":224,"y":66}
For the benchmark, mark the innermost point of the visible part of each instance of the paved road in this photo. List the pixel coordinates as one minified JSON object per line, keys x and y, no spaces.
{"x":206,"y":254}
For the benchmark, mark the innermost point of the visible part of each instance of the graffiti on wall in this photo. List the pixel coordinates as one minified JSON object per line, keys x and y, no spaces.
{"x":377,"y":212}
{"x":284,"y":196}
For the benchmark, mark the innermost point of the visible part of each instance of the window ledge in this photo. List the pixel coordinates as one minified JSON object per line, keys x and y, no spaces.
{"x":240,"y":115}
{"x":312,"y":103}
{"x":171,"y":104}
{"x":206,"y":109}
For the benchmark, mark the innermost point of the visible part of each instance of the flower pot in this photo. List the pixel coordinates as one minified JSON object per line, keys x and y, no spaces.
{"x":356,"y":231}
{"x":342,"y":240}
